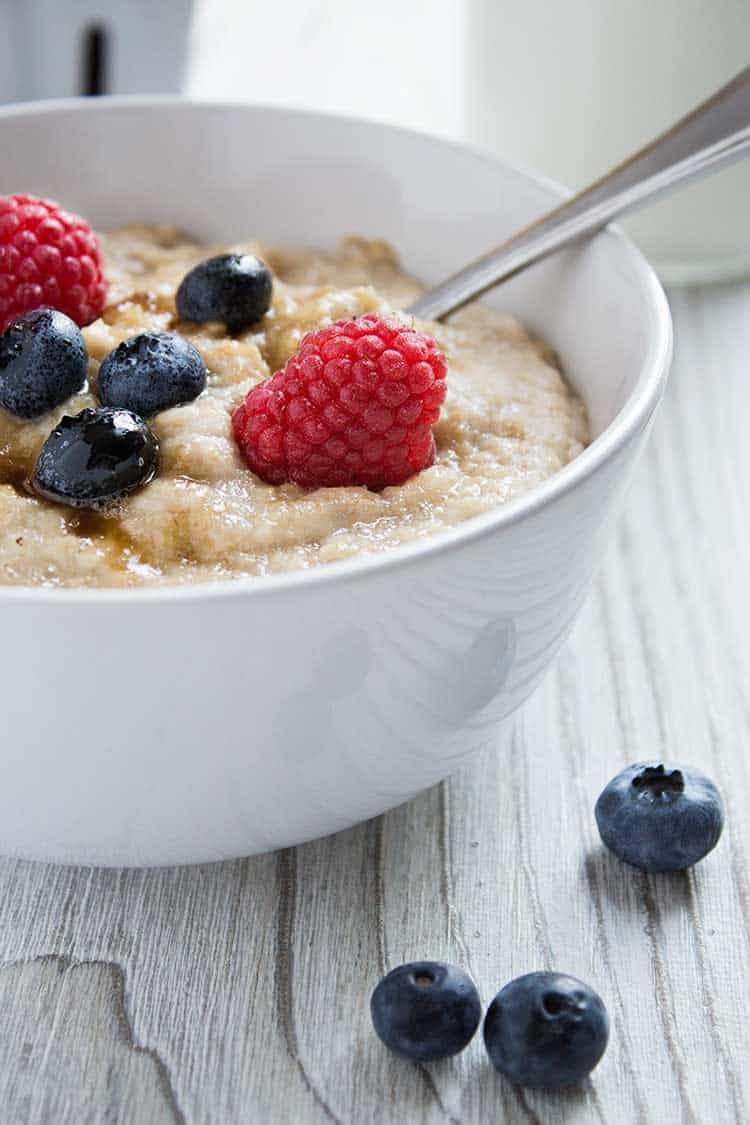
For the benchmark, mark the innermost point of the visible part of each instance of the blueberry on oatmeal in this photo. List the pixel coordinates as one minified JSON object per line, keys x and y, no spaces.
{"x":151,"y":372}
{"x":232,"y":288}
{"x":43,"y":362}
{"x":95,"y":458}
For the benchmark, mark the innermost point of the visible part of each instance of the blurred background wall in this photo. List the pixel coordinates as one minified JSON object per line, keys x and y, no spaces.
{"x":398,"y":60}
{"x":568,"y":88}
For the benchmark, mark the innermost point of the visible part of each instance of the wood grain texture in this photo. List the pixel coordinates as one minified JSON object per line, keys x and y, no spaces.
{"x":239,"y":992}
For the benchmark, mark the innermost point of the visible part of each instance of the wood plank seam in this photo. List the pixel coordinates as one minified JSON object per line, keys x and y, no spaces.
{"x":287,"y":881}
{"x":118,"y":993}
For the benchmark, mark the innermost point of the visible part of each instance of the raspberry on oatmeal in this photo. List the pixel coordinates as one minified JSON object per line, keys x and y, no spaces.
{"x":354,"y":405}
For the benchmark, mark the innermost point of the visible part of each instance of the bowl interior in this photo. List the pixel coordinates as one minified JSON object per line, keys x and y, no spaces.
{"x":234,"y":171}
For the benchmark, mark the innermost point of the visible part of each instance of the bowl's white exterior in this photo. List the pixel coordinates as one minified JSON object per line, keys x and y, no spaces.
{"x":150,"y":727}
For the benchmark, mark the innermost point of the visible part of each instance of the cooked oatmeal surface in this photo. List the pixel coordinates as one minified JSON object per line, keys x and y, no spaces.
{"x":509,"y":422}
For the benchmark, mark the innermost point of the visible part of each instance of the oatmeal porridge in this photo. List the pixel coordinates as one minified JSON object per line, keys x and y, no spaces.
{"x":509,"y":421}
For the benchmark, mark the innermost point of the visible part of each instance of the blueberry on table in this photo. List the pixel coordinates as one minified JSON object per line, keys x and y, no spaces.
{"x":426,"y":1010}
{"x":151,"y":372}
{"x":233,"y":288}
{"x":660,"y":817}
{"x":96,"y":457}
{"x":546,"y":1030}
{"x":43,"y":362}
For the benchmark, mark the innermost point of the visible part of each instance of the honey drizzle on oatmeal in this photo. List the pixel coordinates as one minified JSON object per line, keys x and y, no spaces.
{"x":84,"y":523}
{"x":87,"y":523}
{"x":15,"y":475}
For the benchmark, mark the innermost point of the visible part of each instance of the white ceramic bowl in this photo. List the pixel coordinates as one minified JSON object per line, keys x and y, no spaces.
{"x":169,"y":726}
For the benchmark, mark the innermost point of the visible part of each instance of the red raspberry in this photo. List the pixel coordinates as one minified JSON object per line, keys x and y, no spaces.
{"x":355,"y":405}
{"x":50,"y":258}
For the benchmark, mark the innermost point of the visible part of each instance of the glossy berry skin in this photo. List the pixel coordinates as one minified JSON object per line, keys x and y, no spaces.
{"x":43,"y":361}
{"x":546,"y":1030}
{"x":354,"y":406}
{"x":48,"y":258}
{"x":151,"y":372}
{"x":233,"y":288}
{"x":426,"y":1010}
{"x":95,"y":458}
{"x":660,"y":817}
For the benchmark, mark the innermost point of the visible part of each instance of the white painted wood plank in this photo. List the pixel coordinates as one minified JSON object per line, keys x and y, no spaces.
{"x":239,"y":992}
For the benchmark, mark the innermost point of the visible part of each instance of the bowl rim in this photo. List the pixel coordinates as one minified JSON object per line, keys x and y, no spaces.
{"x":631,"y":419}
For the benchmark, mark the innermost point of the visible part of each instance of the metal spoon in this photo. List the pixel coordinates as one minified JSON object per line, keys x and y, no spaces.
{"x":713,"y":135}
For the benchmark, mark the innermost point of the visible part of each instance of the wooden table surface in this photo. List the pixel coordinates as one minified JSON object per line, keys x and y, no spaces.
{"x":239,"y":992}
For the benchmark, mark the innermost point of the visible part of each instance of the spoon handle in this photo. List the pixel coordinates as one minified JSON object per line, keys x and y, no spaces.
{"x":716,"y":133}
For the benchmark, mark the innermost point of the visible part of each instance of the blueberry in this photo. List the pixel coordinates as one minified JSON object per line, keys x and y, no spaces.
{"x":660,"y":817}
{"x":426,"y":1010}
{"x":151,"y":372}
{"x":43,"y":361}
{"x":95,"y":458}
{"x":233,"y":288}
{"x":546,"y":1030}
